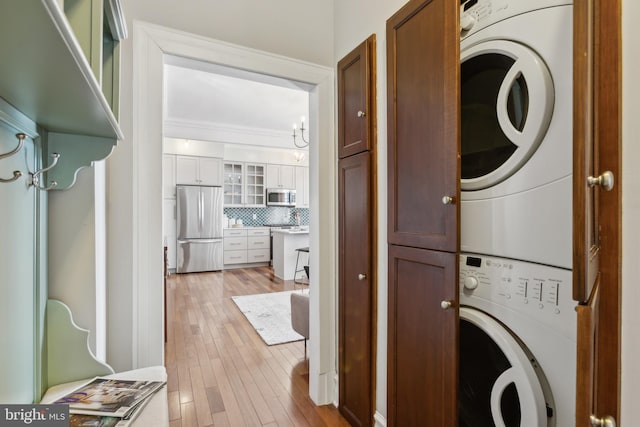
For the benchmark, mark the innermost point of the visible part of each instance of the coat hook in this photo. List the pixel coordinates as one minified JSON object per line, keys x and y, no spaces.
{"x":21,"y":137}
{"x":35,"y":177}
{"x":16,"y":174}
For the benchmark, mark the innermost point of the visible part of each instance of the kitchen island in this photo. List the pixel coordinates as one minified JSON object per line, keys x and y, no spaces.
{"x":285,"y":243}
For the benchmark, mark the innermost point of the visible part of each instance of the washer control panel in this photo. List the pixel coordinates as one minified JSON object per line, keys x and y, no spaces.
{"x":534,"y":290}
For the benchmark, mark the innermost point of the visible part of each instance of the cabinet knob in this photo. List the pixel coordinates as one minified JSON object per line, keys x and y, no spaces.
{"x":362,"y":276}
{"x":445,"y":305}
{"x":605,"y":181}
{"x":448,"y":200}
{"x":607,"y":421}
{"x":361,"y":114}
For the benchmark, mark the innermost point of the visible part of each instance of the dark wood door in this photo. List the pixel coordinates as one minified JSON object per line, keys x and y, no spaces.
{"x":356,"y":98}
{"x":423,"y":85}
{"x":356,"y":299}
{"x":597,"y":207}
{"x":423,"y":338}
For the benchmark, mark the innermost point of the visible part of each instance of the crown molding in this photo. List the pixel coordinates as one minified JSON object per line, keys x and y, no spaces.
{"x":216,"y":132}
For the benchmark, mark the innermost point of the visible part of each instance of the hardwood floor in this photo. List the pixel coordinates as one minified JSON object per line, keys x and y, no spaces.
{"x":220,"y":372}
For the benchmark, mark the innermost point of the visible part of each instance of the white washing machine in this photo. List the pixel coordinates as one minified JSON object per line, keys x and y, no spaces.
{"x":517,"y":344}
{"x":516,"y":162}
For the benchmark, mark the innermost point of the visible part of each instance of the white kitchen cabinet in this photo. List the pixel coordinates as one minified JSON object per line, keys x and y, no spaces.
{"x":234,"y":257}
{"x":233,"y":187}
{"x":281,"y":176}
{"x":285,"y":253}
{"x":302,"y":187}
{"x":235,"y":246}
{"x":169,"y":176}
{"x":254,"y":178}
{"x":210,"y":170}
{"x":249,"y":245}
{"x":235,"y":243}
{"x":193,"y":170}
{"x":244,"y":184}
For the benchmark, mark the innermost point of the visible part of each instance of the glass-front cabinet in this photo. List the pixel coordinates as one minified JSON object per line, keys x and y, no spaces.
{"x":254,"y":185}
{"x":244,"y":184}
{"x":233,"y":184}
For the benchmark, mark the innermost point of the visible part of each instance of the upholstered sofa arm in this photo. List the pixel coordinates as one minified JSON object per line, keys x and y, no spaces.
{"x":300,"y":313}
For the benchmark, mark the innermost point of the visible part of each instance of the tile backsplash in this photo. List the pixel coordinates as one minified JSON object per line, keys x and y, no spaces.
{"x":271,"y":215}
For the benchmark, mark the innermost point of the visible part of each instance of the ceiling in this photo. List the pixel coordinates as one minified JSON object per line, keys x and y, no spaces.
{"x":214,"y":96}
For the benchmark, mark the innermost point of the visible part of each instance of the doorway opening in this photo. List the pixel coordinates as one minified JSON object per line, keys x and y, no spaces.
{"x":152,"y":44}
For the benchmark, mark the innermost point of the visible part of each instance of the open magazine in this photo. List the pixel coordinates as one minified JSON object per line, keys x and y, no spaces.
{"x":110,"y":398}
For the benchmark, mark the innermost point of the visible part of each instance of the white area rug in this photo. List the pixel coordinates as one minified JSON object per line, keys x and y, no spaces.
{"x":270,"y":316}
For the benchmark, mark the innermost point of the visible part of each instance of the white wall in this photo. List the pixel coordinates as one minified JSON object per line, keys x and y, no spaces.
{"x":630,"y":214}
{"x":301,"y":30}
{"x":297,"y":29}
{"x":349,"y":33}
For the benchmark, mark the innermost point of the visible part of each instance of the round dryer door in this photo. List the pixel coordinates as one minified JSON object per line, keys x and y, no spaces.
{"x":507,"y":103}
{"x":498,"y":384}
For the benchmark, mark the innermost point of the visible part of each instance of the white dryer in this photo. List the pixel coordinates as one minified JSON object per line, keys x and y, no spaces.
{"x":517,"y":344}
{"x":516,"y":161}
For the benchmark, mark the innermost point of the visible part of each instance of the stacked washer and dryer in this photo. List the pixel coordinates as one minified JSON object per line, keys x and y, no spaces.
{"x":517,"y":317}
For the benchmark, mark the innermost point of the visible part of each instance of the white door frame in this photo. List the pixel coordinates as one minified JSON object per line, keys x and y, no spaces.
{"x":151,"y":44}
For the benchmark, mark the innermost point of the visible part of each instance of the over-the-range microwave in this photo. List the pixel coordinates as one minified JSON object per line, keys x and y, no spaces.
{"x":281,"y":197}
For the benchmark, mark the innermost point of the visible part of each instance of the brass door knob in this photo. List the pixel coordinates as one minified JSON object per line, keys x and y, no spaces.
{"x":445,"y":305}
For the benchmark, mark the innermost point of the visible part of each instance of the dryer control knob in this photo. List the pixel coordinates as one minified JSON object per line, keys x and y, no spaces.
{"x":470,"y":282}
{"x":467,"y":22}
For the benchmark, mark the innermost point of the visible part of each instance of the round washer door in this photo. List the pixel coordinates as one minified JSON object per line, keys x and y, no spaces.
{"x":498,"y":384}
{"x":507,"y":99}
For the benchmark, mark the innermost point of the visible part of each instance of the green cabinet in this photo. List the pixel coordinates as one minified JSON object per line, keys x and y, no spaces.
{"x":59,"y":84}
{"x":59,"y":62}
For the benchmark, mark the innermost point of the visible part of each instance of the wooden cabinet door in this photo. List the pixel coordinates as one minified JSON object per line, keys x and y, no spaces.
{"x":423,"y":101}
{"x":422,"y":353}
{"x":355,"y":306}
{"x":356,"y":99}
{"x":597,"y":221}
{"x":423,"y":84}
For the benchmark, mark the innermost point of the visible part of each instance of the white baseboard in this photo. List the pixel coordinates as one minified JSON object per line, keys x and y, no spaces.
{"x":380,"y":420}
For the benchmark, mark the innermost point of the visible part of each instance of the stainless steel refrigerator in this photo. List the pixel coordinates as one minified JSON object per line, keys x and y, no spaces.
{"x":199,"y":228}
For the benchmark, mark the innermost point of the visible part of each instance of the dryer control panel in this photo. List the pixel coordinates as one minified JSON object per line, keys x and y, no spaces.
{"x":478,"y":14}
{"x":537,"y":291}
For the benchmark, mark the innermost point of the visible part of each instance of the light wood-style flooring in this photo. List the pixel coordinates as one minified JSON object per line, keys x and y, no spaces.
{"x":220,"y":372}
